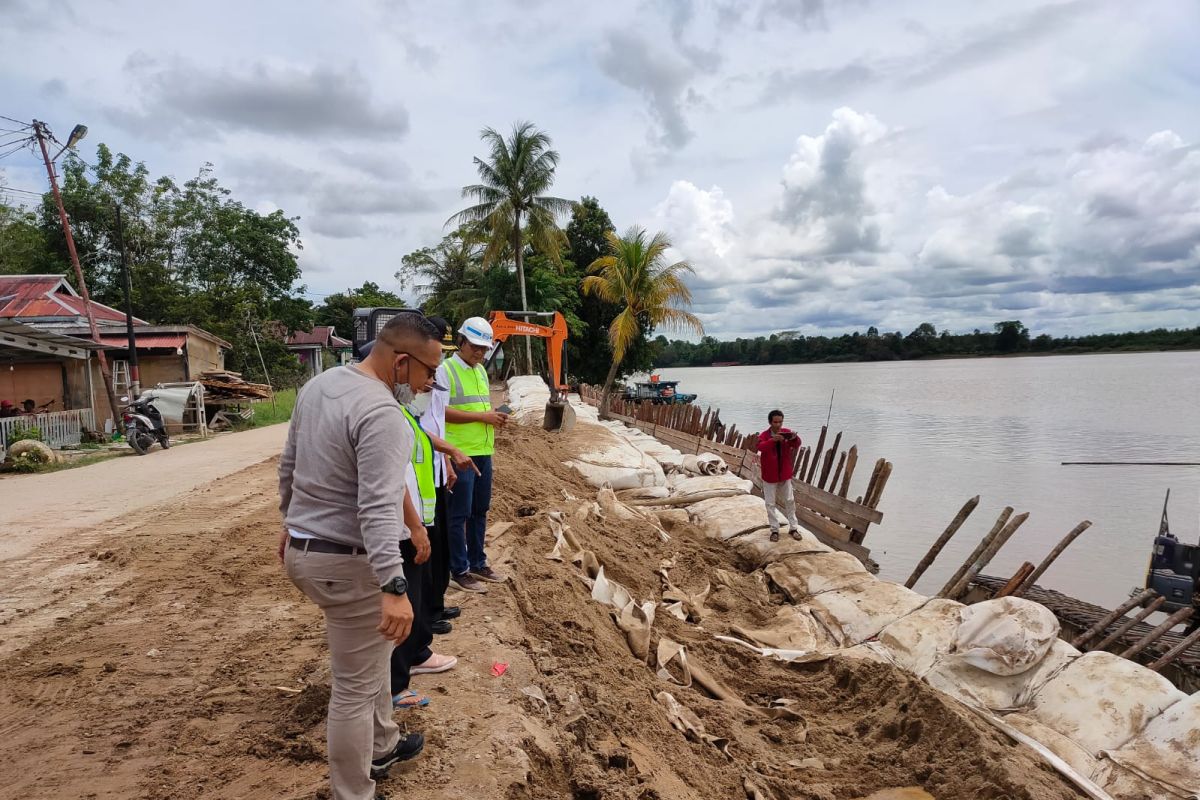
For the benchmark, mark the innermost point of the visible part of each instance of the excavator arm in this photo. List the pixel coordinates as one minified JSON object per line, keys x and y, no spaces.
{"x":555,"y":334}
{"x":559,"y":415}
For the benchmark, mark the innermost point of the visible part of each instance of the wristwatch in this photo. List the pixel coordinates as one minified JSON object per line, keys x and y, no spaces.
{"x":395,"y":586}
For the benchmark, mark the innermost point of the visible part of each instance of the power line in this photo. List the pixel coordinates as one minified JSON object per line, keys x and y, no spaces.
{"x":22,"y":123}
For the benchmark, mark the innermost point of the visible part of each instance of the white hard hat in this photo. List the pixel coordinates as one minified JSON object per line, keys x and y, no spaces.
{"x":478,"y":331}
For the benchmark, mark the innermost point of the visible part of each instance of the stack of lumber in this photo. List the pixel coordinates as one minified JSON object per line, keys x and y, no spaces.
{"x":223,"y":385}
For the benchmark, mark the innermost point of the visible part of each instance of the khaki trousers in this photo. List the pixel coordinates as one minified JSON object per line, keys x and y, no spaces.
{"x":782,"y":491}
{"x":360,"y":725}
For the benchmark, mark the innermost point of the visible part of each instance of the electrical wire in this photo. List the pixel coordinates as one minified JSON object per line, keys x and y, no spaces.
{"x":22,"y":123}
{"x":19,"y":146}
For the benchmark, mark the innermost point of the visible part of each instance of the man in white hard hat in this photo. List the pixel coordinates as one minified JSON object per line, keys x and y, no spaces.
{"x":471,"y":427}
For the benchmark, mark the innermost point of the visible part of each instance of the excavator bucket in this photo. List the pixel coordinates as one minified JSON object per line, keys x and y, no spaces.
{"x":559,"y":415}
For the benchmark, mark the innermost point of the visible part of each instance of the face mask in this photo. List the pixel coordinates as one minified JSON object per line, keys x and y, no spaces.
{"x":419,"y":404}
{"x":402,"y":391}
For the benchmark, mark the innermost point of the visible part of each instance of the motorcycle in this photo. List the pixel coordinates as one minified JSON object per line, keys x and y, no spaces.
{"x":144,"y":425}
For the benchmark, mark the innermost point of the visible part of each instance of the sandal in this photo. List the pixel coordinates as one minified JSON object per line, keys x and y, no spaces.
{"x":408,"y":699}
{"x":774,"y":536}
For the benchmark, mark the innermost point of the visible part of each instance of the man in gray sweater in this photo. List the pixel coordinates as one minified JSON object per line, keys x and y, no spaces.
{"x":341,"y":489}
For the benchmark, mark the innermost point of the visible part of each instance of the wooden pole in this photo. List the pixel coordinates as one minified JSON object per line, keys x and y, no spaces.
{"x":851,"y":463}
{"x":1153,"y":636}
{"x":877,"y":494}
{"x":837,"y":473}
{"x":978,"y":551}
{"x":1055,"y":553}
{"x":1174,"y":652}
{"x":873,"y":480}
{"x":1001,"y":538}
{"x":1112,"y":617}
{"x":1128,"y":624}
{"x":1015,"y":581}
{"x":820,"y":448}
{"x":828,"y":462}
{"x":936,"y":549}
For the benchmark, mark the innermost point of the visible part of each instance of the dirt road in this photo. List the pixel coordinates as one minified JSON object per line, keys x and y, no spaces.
{"x":160,"y":653}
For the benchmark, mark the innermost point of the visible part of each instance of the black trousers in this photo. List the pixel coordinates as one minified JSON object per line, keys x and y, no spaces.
{"x":415,"y":649}
{"x":439,"y":559}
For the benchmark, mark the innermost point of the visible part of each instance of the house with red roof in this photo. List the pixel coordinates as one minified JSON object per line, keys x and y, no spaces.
{"x":166,"y":353}
{"x":320,"y":349}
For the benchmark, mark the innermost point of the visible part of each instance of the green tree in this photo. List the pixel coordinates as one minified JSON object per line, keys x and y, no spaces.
{"x":634,"y":274}
{"x":196,"y":256}
{"x":23,"y":247}
{"x":1011,"y":336}
{"x":445,"y":276}
{"x":338,"y":308}
{"x":589,"y":351}
{"x":514,"y":179}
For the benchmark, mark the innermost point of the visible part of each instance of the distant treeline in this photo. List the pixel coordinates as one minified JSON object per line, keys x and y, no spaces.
{"x":1006,"y":338}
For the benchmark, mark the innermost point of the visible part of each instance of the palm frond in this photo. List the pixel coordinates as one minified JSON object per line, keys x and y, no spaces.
{"x":623,"y":332}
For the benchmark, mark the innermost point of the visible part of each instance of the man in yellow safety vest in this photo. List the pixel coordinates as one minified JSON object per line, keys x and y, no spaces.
{"x":471,"y":427}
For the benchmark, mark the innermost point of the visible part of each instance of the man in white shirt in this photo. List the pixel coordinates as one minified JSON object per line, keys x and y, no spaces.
{"x":433,"y":421}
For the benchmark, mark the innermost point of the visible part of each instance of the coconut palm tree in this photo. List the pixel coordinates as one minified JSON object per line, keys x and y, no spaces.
{"x":514,"y":178}
{"x":634,"y":274}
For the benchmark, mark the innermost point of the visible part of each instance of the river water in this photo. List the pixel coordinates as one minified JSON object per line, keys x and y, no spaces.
{"x":999,"y":428}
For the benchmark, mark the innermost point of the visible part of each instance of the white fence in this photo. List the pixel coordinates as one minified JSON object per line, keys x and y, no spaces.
{"x":59,"y":428}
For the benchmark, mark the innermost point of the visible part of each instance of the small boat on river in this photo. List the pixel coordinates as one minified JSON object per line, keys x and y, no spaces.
{"x":657,"y":391}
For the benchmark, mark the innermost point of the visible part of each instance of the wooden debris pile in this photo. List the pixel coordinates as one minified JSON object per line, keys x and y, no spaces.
{"x":222,"y":385}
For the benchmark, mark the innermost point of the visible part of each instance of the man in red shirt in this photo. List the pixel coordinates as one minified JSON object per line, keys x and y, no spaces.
{"x":777,"y":448}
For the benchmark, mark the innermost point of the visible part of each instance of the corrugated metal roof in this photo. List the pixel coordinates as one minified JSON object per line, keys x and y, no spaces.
{"x":16,"y":336}
{"x":47,"y":297}
{"x":170,"y":340}
{"x":322,"y":335}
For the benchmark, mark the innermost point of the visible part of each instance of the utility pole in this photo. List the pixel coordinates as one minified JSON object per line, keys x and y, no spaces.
{"x":135,"y":382}
{"x":39,"y":129}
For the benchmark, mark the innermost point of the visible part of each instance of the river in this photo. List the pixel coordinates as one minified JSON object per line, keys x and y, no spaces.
{"x":999,"y":428}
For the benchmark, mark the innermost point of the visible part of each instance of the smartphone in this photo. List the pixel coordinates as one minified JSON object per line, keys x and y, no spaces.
{"x":504,"y":409}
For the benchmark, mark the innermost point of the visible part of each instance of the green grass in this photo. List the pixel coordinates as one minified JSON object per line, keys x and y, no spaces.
{"x":264,"y":414}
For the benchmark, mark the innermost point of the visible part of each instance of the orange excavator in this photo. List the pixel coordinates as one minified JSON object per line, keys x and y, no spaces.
{"x":559,"y":414}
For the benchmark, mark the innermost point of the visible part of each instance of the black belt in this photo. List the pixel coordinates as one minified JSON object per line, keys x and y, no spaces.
{"x":324,"y":546}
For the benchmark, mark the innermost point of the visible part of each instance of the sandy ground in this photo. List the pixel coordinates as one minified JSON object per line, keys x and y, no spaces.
{"x":150,"y":647}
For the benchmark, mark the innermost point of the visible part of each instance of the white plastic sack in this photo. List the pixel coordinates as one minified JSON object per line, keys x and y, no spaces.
{"x":171,"y":402}
{"x":802,"y":576}
{"x":684,"y":485}
{"x":1102,"y":700}
{"x":758,"y":549}
{"x":860,"y":612}
{"x":1005,"y":636}
{"x":956,"y":677}
{"x":792,"y":628}
{"x":725,"y":517}
{"x":1168,"y":750}
{"x":704,"y":464}
{"x":915,"y":642}
{"x":1064,"y":747}
{"x":604,"y":457}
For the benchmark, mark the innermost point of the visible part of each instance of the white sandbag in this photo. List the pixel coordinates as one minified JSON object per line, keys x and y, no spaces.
{"x":915,"y":642}
{"x":1005,"y":636}
{"x":1064,"y":747}
{"x":725,"y":517}
{"x":683,"y":486}
{"x":1168,"y":750}
{"x":1102,"y":700}
{"x":1122,"y":783}
{"x":758,"y":549}
{"x":603,"y":457}
{"x":792,"y":628}
{"x":964,"y":681}
{"x":704,"y":464}
{"x":859,"y":612}
{"x":802,"y":576}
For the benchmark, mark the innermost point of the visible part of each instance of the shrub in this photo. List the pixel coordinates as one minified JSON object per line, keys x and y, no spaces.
{"x":22,"y":433}
{"x":29,"y":461}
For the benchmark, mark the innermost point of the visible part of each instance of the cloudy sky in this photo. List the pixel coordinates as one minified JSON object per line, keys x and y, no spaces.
{"x":824,"y":164}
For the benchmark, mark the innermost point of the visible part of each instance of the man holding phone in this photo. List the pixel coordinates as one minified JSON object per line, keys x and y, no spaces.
{"x":777,"y":449}
{"x":471,"y":427}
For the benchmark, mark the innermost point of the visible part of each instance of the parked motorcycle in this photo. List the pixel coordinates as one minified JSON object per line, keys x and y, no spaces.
{"x":144,"y":425}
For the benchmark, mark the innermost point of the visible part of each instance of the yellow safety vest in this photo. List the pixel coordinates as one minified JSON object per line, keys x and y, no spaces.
{"x":422,"y":464}
{"x":469,"y":391}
